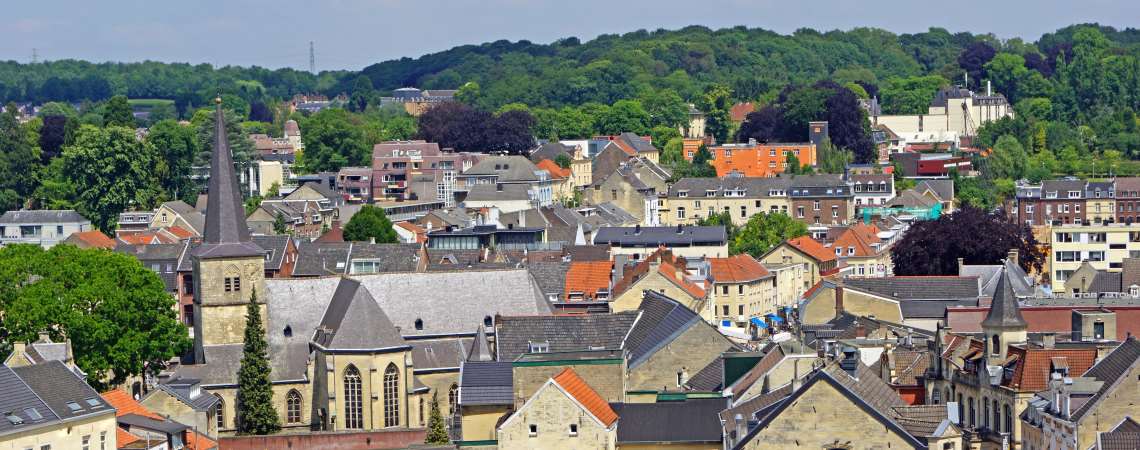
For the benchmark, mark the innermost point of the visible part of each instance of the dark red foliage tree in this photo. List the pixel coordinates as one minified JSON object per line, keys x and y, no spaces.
{"x":933,"y":247}
{"x":846,"y":125}
{"x":973,"y":58}
{"x":763,"y":125}
{"x":464,"y":128}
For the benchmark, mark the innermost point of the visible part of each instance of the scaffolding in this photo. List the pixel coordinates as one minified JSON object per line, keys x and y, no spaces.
{"x":904,"y":214}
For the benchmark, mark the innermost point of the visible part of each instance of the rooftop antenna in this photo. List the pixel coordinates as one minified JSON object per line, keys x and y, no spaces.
{"x":312,"y":59}
{"x":35,"y":56}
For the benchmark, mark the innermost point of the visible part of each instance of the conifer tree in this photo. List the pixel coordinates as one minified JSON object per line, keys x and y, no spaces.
{"x":255,"y":411}
{"x":437,"y":433}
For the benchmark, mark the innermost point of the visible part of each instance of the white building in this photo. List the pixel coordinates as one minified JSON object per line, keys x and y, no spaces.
{"x":43,"y":227}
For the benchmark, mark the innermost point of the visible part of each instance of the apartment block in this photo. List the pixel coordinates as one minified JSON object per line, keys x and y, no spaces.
{"x":1104,"y":246}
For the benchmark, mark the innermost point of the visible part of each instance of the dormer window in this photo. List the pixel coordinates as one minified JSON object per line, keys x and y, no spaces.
{"x":487,"y":321}
{"x":1074,"y":194}
{"x":851,"y":250}
{"x":539,"y":347}
{"x":682,"y":194}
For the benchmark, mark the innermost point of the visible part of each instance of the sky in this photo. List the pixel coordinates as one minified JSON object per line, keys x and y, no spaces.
{"x":351,"y":34}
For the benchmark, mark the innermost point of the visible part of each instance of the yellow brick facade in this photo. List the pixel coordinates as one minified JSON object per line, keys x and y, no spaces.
{"x":66,"y":435}
{"x":551,"y":411}
{"x":690,"y":210}
{"x":686,"y":355}
{"x":737,"y":302}
{"x":220,"y":311}
{"x":630,"y":300}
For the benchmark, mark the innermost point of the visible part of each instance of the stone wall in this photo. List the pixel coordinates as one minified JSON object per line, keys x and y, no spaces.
{"x":605,"y":377}
{"x":690,"y":352}
{"x":552,"y":413}
{"x":366,"y":440}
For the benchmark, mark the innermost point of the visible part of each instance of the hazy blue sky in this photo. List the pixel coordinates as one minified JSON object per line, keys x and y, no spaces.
{"x":351,"y":34}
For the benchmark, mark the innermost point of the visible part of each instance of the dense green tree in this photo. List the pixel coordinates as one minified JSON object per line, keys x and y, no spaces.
{"x":623,"y":116}
{"x":19,"y":161}
{"x":973,"y":60}
{"x":910,"y":95}
{"x":716,"y":103}
{"x":1008,"y":159}
{"x":280,"y":226}
{"x":437,"y":431}
{"x":702,"y":164}
{"x":765,"y":231}
{"x":665,"y":108}
{"x":118,"y":112}
{"x":117,"y":313}
{"x":563,"y":160}
{"x":256,"y":413}
{"x":721,"y":219}
{"x":370,"y":223}
{"x":114,"y":171}
{"x":332,"y":141}
{"x":177,"y":145}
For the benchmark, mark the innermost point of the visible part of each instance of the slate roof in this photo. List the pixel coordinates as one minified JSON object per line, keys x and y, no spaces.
{"x":550,"y":150}
{"x":550,"y":276}
{"x":480,"y":348}
{"x":440,"y":354}
{"x":1110,"y":370}
{"x":44,"y":350}
{"x":49,"y":388}
{"x":1119,"y":440}
{"x":614,"y":214}
{"x":42,"y":216}
{"x":227,"y":235}
{"x":508,"y":168}
{"x":563,"y":333}
{"x":919,"y":287}
{"x":944,"y":189}
{"x":316,"y":259}
{"x":656,"y":236}
{"x":662,"y":320}
{"x":708,"y":379}
{"x":1004,"y":310}
{"x":689,"y":421}
{"x":587,"y":252}
{"x":275,"y":247}
{"x":180,"y":390}
{"x":498,"y":192}
{"x":486,"y":383}
{"x":988,"y":276}
{"x":353,"y":321}
{"x":580,"y":391}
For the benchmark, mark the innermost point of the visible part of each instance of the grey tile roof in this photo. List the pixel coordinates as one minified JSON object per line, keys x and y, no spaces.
{"x":436,"y":354}
{"x":662,"y":320}
{"x":988,"y":276}
{"x":16,"y":397}
{"x":146,"y":423}
{"x":275,"y":246}
{"x":1128,"y":425}
{"x":1062,"y":187}
{"x":1110,"y":370}
{"x":708,"y":379}
{"x":1119,"y":441}
{"x":587,"y":252}
{"x":508,"y":168}
{"x":1004,"y":311}
{"x":182,"y":391}
{"x":654,"y":236}
{"x":498,"y":192}
{"x":943,"y":188}
{"x":329,"y":258}
{"x":353,"y":321}
{"x":486,"y":383}
{"x":563,"y":333}
{"x":613,"y":214}
{"x":550,"y":150}
{"x":550,"y":276}
{"x":226,"y":233}
{"x":919,"y":288}
{"x":42,"y":216}
{"x":51,"y":388}
{"x":1105,"y":281}
{"x":689,"y":421}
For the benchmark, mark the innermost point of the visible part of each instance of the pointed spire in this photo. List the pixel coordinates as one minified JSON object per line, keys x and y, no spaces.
{"x":1004,"y":310}
{"x":480,"y":349}
{"x":227,"y":234}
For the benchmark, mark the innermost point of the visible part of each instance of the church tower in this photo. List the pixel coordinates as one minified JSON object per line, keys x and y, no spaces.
{"x":228,"y":265}
{"x":1003,"y":325}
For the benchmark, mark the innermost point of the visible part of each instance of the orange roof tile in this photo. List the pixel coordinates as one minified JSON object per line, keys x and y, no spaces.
{"x":812,"y":248}
{"x":668,"y":264}
{"x":199,"y":441}
{"x":138,"y":238}
{"x":124,"y":404}
{"x":555,"y":170}
{"x":860,"y":237}
{"x":123,"y":438}
{"x":179,"y":232}
{"x":420,"y":232}
{"x":94,"y":239}
{"x":588,"y":277}
{"x":586,"y":396}
{"x":737,"y":269}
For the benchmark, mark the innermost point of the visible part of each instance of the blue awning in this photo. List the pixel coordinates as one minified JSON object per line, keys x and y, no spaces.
{"x":774,"y":318}
{"x":726,"y":323}
{"x":759,"y":323}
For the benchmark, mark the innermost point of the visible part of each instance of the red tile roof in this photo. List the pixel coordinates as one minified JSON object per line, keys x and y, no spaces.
{"x":420,"y":232}
{"x":737,"y":269}
{"x":812,"y":248}
{"x":668,"y":264}
{"x":123,"y":438}
{"x":1032,"y":374}
{"x":93,"y":239}
{"x":588,"y":277}
{"x":555,"y":170}
{"x":124,"y":404}
{"x":740,"y":111}
{"x":335,"y":234}
{"x":860,"y":237}
{"x":199,"y":441}
{"x":586,"y":396}
{"x":179,"y":232}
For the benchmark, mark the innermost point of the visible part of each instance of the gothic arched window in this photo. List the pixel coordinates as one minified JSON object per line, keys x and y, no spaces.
{"x":353,"y":403}
{"x":452,"y":399}
{"x":293,"y":407}
{"x":391,"y":396}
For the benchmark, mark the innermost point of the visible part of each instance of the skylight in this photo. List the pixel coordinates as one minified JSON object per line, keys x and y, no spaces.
{"x":94,"y":403}
{"x":74,"y":406}
{"x":33,"y":413}
{"x":14,"y":419}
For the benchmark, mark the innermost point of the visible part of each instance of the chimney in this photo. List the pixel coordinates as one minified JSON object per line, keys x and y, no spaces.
{"x":838,"y":300}
{"x":1049,"y":340}
{"x":18,"y":348}
{"x":1013,"y":256}
{"x":741,"y":428}
{"x":499,"y":187}
{"x":850,"y":361}
{"x":44,"y":337}
{"x":860,"y":331}
{"x":961,"y":263}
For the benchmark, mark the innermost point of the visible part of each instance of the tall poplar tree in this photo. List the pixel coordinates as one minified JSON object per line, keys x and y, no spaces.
{"x":255,"y":411}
